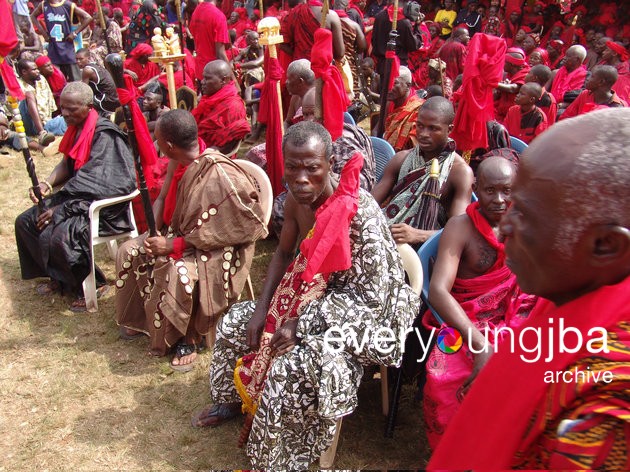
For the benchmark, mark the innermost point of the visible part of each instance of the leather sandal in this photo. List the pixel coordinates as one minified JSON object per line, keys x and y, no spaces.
{"x":215,"y":415}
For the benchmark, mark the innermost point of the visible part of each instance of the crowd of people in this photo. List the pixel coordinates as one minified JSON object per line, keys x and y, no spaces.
{"x":525,"y":238}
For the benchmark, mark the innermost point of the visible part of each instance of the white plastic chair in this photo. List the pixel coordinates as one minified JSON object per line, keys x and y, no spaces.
{"x":413,"y":269}
{"x":89,"y":284}
{"x":263,"y":186}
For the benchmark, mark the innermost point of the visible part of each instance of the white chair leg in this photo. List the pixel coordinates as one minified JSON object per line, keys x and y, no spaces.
{"x":112,"y":246}
{"x":89,"y":287}
{"x":385,"y":390}
{"x":327,"y":459}
{"x":250,"y":288}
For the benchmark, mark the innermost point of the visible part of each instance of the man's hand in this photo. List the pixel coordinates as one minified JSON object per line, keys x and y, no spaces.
{"x":43,"y":189}
{"x":255,"y":327}
{"x":45,"y":218}
{"x":403,"y":233}
{"x":479,"y":361}
{"x":284,"y":339}
{"x":132,"y":74}
{"x":158,"y":246}
{"x":71,"y":37}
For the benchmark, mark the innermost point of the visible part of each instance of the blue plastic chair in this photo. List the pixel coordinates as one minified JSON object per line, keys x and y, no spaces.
{"x":428,"y":251}
{"x":473,"y":198}
{"x":347,"y":118}
{"x":518,"y":145}
{"x":383,"y":152}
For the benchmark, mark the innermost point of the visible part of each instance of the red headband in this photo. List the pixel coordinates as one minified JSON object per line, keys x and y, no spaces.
{"x":517,"y":61}
{"x":619,"y":49}
{"x":41,"y":60}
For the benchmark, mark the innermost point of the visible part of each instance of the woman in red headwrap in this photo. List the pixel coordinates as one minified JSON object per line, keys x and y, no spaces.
{"x":139,"y":65}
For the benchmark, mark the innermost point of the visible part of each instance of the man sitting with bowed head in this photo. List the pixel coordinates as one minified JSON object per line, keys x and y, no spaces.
{"x":567,"y":239}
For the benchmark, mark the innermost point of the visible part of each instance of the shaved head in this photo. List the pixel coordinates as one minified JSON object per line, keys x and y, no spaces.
{"x":442,"y":107}
{"x":495,"y":165}
{"x":219,"y":67}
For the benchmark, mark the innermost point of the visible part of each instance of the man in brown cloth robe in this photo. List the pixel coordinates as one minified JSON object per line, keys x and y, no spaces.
{"x":173,"y":287}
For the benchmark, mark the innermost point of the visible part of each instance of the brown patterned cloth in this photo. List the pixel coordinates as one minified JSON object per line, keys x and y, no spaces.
{"x":219,"y":215}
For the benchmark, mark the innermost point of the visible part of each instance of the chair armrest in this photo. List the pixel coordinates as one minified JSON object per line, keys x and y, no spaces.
{"x":98,"y":205}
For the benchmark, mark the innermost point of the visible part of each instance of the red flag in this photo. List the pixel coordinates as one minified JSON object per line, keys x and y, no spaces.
{"x":483,"y":70}
{"x":269,"y":114}
{"x":8,"y":41}
{"x":336,"y":99}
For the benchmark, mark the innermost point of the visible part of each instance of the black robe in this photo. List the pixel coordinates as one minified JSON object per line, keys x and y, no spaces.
{"x":62,"y":250}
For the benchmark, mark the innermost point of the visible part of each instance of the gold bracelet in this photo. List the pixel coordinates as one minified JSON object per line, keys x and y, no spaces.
{"x":47,"y":184}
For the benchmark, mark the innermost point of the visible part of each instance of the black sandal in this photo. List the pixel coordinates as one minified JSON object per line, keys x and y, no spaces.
{"x":182,"y":350}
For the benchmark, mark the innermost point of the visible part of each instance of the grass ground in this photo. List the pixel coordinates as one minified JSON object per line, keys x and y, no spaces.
{"x":76,"y":397}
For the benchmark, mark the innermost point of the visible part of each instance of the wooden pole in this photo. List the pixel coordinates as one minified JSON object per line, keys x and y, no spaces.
{"x":103,"y":25}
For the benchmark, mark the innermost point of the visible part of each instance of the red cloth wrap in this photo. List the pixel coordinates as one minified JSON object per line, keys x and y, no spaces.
{"x":142,"y":49}
{"x":269,"y":114}
{"x":57,"y":81}
{"x":336,"y":99}
{"x":484,"y":228}
{"x":395,"y":70}
{"x":79,"y":148}
{"x":483,"y":70}
{"x":329,"y":248}
{"x":146,"y":149}
{"x":507,"y":391}
{"x":179,"y":245}
{"x":619,"y":49}
{"x":8,"y":37}
{"x":8,"y":41}
{"x":10,"y":81}
{"x":41,"y":60}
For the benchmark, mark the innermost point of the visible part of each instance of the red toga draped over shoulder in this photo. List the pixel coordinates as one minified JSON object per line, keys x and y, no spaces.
{"x":221,"y":117}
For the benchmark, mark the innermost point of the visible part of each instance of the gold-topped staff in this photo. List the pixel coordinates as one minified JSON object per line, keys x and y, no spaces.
{"x":166,"y":52}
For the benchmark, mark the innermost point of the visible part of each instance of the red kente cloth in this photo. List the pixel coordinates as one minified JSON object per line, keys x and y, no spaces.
{"x":565,"y":81}
{"x":329,"y":248}
{"x":269,"y":114}
{"x":298,"y":30}
{"x":482,"y":73}
{"x":79,"y":148}
{"x":506,"y":100}
{"x":146,"y":149}
{"x":507,"y":392}
{"x":144,"y":73}
{"x":336,"y":101}
{"x":454,"y":54}
{"x":208,"y":26}
{"x":221,"y":117}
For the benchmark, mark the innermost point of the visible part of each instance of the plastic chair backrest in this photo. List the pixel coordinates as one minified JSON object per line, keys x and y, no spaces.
{"x":427,"y":252}
{"x":263,"y":184}
{"x":383,"y":152}
{"x":518,"y":145}
{"x":347,"y":118}
{"x":413,"y":267}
